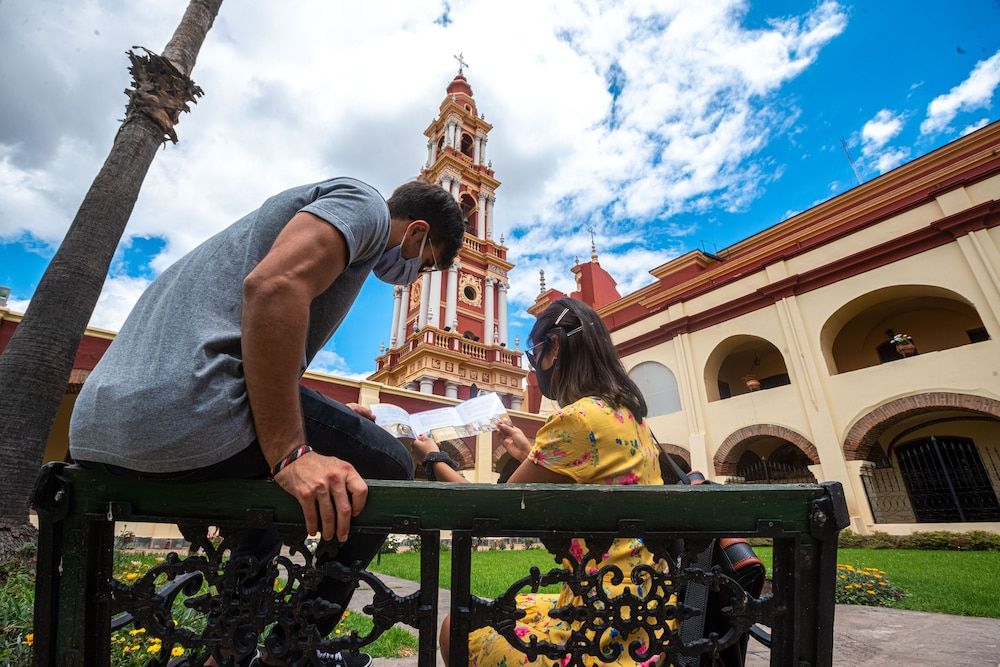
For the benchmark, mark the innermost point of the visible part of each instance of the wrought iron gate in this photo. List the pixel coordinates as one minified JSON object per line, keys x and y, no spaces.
{"x":947,"y":481}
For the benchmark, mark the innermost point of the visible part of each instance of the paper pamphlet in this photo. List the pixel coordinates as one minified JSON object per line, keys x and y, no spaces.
{"x":476,"y":415}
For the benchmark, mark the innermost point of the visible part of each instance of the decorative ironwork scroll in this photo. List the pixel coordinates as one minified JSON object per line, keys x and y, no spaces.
{"x":235,"y":602}
{"x":648,"y":613}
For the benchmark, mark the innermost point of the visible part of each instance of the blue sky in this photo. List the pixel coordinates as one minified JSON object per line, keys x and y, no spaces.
{"x":665,"y":129}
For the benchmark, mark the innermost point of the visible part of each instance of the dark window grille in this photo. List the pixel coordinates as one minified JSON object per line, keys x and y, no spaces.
{"x":946,"y":480}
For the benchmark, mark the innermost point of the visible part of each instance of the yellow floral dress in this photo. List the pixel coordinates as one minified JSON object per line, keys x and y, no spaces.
{"x":593,"y":443}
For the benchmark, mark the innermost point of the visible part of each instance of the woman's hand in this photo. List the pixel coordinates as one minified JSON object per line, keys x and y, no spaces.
{"x":423,"y":446}
{"x":514,"y":441}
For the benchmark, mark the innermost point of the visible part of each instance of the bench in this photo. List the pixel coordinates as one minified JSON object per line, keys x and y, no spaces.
{"x":77,"y":600}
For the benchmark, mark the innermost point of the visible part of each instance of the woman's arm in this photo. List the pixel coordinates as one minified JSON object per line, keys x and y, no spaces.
{"x":423,"y":446}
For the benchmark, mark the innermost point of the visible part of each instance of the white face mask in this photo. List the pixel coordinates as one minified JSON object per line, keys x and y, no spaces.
{"x":395,"y":269}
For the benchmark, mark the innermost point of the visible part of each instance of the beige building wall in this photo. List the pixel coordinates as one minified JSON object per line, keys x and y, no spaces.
{"x":838,"y":387}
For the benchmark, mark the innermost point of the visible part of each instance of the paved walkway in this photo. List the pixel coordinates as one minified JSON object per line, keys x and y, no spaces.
{"x":863,"y":636}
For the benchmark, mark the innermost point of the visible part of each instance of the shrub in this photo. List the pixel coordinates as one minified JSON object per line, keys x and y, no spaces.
{"x":977,"y":540}
{"x":867,"y":586}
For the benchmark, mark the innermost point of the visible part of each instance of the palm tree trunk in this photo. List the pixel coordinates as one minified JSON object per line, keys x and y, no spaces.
{"x":35,"y":366}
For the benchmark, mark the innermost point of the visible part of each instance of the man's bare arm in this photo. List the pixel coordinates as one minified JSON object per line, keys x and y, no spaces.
{"x":305,"y":259}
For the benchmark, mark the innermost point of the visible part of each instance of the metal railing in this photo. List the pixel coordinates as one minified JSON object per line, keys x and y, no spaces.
{"x":243,"y":602}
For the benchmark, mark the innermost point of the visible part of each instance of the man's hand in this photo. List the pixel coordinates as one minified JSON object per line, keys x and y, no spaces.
{"x":514,"y":441}
{"x":423,"y":446}
{"x":330,"y":485}
{"x":361,"y":410}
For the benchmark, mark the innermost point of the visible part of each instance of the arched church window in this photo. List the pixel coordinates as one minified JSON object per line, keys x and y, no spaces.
{"x":658,"y":386}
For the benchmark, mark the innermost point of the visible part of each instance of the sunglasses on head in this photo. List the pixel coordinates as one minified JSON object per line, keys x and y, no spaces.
{"x":533,"y":357}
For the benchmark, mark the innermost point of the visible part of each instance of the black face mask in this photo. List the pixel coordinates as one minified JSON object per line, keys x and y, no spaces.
{"x":544,"y":381}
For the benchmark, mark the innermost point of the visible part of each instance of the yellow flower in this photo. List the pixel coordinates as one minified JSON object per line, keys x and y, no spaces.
{"x":131,"y":576}
{"x":842,"y":577}
{"x":153,"y":648}
{"x":137,"y":631}
{"x":883,"y":583}
{"x":136,"y":647}
{"x":177,"y":651}
{"x":870,"y":592}
{"x":29,"y":639}
{"x":159,"y":559}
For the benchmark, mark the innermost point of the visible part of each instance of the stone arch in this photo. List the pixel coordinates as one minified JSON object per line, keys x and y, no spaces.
{"x":732,"y":448}
{"x":461,"y":452}
{"x":737,"y":357}
{"x":864,"y":434}
{"x":677,"y":451}
{"x":856,"y":335}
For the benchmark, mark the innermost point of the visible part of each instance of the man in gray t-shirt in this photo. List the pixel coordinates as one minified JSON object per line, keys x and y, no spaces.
{"x":202,"y":381}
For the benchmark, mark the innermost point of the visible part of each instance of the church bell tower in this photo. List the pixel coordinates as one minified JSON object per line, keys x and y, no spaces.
{"x":450,"y":329}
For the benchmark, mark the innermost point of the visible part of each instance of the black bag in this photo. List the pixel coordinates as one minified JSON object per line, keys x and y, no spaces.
{"x":737,"y":560}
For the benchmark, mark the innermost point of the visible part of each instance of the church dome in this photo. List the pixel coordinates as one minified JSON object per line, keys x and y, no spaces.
{"x":460,"y":85}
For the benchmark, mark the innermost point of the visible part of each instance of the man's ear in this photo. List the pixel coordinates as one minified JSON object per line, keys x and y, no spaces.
{"x":419,"y":227}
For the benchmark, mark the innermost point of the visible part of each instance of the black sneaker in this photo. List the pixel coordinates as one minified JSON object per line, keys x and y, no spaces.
{"x":345,"y":659}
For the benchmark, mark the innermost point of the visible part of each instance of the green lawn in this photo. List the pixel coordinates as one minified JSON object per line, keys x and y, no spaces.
{"x":949,"y":582}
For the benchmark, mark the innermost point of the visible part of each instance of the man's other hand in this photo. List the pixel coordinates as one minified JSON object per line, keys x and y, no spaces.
{"x":329,"y":490}
{"x":361,"y":410}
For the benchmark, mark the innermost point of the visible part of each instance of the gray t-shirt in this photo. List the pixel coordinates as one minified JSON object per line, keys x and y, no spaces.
{"x":169,"y":394}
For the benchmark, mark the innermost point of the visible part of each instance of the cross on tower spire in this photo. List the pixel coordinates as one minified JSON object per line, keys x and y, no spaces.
{"x":461,"y":62}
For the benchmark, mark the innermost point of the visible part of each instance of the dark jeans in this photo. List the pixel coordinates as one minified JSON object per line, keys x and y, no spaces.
{"x":332,"y":429}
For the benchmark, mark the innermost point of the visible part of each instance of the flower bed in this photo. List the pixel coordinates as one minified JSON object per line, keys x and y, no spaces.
{"x":867,"y":586}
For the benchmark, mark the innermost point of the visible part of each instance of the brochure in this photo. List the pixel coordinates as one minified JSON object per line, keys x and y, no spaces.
{"x":476,"y":415}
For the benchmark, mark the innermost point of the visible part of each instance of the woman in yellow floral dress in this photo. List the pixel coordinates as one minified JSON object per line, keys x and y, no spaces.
{"x":598,"y":436}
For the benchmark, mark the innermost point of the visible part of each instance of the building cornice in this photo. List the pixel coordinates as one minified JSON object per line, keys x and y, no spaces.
{"x":962,"y":162}
{"x":938,"y":233}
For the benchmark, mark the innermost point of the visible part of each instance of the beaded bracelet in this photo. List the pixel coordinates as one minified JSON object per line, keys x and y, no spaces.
{"x":290,"y":459}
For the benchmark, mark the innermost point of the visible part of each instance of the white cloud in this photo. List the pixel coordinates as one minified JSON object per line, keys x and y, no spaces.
{"x":880,"y":130}
{"x":118,"y":296}
{"x":891,"y":158}
{"x":973,"y":93}
{"x":18,"y":305}
{"x":876,"y":134}
{"x":329,"y":362}
{"x":969,"y":129}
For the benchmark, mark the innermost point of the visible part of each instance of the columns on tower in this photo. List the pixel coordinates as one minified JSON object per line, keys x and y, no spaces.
{"x":482,"y":150}
{"x":488,"y":324}
{"x":451,"y":299}
{"x":502,"y":312}
{"x":431,"y":152}
{"x":425,"y":293}
{"x":451,"y":389}
{"x":489,"y":216}
{"x":456,"y":185}
{"x":426,"y":384}
{"x":400,"y":336}
{"x":397,"y":301}
{"x":477,"y":150}
{"x":481,"y":216}
{"x":434,"y":304}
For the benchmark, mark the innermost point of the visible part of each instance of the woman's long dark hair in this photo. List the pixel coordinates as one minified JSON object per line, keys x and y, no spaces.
{"x":588,"y":364}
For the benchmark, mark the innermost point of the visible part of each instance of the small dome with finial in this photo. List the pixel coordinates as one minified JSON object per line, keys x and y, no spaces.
{"x":459,"y":85}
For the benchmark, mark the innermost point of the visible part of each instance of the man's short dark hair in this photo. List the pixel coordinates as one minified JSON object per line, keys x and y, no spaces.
{"x":417,"y":200}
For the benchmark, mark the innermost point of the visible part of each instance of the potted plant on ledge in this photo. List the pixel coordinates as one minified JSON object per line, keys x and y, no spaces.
{"x":753,"y":384}
{"x":904,"y":344}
